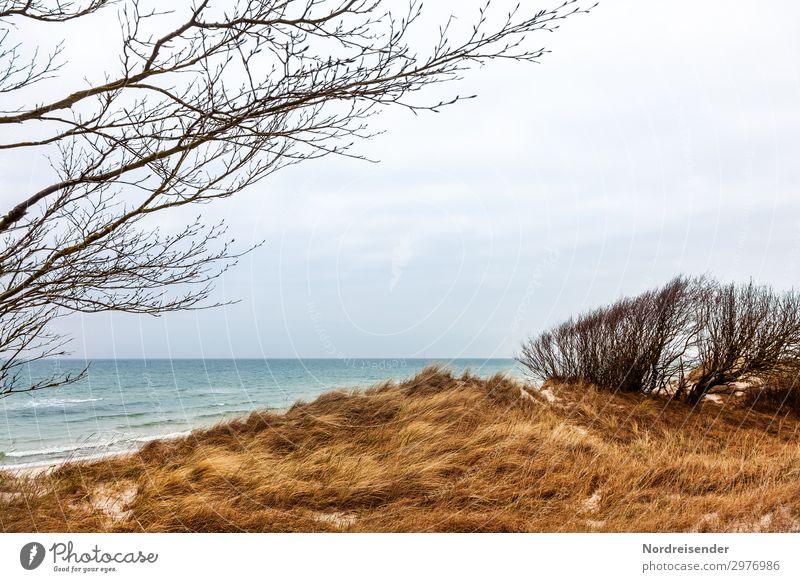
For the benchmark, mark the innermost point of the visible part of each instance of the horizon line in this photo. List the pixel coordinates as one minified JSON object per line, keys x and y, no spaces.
{"x":415,"y":358}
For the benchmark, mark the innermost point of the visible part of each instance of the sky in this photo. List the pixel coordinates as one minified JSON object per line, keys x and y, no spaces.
{"x":655,"y":139}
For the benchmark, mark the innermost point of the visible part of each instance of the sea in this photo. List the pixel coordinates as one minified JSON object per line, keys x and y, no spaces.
{"x":121,"y":404}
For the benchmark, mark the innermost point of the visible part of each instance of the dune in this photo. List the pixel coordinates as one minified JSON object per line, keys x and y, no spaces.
{"x":440,"y":452}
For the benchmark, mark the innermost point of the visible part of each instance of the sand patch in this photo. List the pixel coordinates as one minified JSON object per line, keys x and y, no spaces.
{"x":592,"y":504}
{"x":781,"y":519}
{"x":336,"y":518}
{"x":113,"y":500}
{"x":549,"y":395}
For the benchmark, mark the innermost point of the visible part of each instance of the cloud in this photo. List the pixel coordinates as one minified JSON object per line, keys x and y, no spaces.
{"x":655,"y":138}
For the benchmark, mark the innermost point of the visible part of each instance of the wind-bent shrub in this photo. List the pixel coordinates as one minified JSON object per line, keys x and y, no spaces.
{"x":634,"y":345}
{"x":747,"y":330}
{"x":690,"y":336}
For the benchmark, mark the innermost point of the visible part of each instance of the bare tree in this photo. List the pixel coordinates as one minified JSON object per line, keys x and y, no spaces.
{"x":637,"y":344}
{"x":206,"y":101}
{"x":747,"y":330}
{"x":689,"y":337}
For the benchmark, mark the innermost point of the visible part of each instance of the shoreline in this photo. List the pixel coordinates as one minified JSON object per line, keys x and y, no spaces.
{"x":131,"y":402}
{"x":39,"y":468}
{"x":440,"y":453}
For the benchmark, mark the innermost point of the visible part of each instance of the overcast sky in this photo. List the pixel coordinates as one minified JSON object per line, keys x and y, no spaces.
{"x":656,"y":138}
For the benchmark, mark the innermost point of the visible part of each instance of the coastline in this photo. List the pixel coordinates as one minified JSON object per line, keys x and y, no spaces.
{"x":33,"y":470}
{"x":440,"y":453}
{"x":36,"y":468}
{"x":122,"y":404}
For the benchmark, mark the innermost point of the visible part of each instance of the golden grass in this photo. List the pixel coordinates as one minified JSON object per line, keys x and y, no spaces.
{"x":441,"y":453}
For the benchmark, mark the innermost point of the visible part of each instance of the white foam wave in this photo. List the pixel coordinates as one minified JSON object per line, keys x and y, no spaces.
{"x":50,"y":402}
{"x":57,"y":450}
{"x":120,"y":443}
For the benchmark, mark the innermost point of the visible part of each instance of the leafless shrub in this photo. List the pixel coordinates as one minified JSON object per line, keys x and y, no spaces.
{"x":207,"y":100}
{"x":637,"y":344}
{"x":691,"y":336}
{"x":747,"y":330}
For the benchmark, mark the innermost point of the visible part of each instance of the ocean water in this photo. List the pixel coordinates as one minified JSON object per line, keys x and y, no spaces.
{"x":122,"y":404}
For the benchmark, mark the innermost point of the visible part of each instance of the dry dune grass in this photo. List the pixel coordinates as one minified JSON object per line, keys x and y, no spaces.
{"x":441,"y":453}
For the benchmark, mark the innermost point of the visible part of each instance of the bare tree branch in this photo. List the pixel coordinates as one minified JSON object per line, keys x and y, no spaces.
{"x":207,"y":100}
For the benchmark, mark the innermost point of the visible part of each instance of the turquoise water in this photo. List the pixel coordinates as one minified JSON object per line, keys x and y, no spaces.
{"x":122,"y":404}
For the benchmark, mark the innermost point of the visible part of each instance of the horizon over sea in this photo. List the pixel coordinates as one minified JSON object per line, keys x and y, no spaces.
{"x":122,"y":404}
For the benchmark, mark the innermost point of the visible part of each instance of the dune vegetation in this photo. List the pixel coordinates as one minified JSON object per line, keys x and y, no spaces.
{"x":440,"y":452}
{"x":689,"y":338}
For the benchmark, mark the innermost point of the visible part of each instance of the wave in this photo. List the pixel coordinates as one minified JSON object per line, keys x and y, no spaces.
{"x":78,"y":450}
{"x":191,"y":420}
{"x":63,"y":449}
{"x":78,"y":400}
{"x":50,"y":403}
{"x":123,"y":415}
